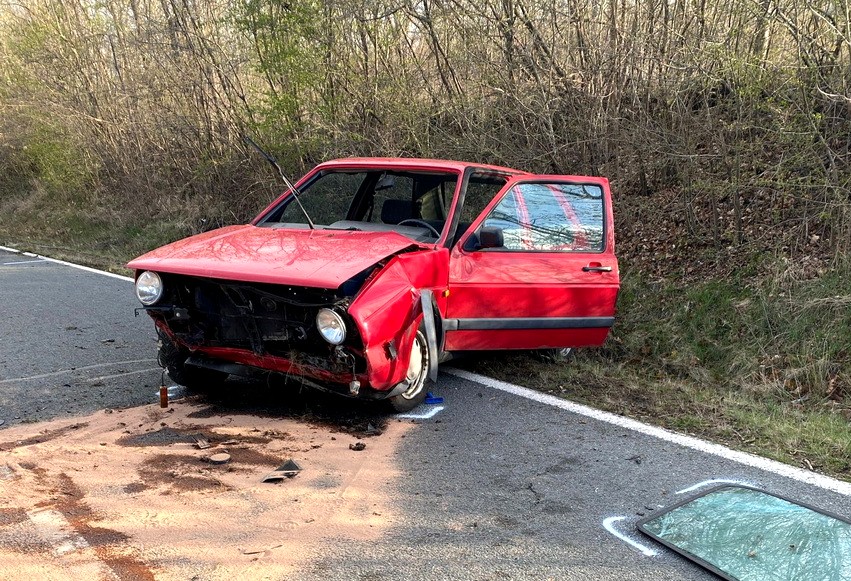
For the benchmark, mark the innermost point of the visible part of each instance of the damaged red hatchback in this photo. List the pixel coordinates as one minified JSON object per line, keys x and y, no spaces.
{"x":374,"y":270}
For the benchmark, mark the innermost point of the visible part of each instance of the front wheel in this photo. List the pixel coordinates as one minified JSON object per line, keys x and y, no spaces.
{"x":416,"y":380}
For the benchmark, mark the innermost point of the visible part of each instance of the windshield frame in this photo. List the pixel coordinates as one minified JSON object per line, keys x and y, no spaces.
{"x":358,"y":202}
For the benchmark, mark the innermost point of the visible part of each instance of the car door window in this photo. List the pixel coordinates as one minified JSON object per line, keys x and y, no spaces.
{"x":550,"y":217}
{"x":479,"y":193}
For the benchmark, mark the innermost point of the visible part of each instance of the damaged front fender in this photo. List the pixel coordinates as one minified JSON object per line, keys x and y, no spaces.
{"x":389,"y":310}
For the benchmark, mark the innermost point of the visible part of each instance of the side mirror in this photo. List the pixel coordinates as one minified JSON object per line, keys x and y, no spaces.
{"x":491,"y":237}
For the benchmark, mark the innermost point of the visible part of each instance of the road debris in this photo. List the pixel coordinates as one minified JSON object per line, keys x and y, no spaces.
{"x":357,"y":446}
{"x":372,"y":430}
{"x":159,"y":480}
{"x":201,"y":442}
{"x":288,"y":469}
{"x":220,"y":458}
{"x":741,"y":532}
{"x":432,"y":399}
{"x":260,"y":551}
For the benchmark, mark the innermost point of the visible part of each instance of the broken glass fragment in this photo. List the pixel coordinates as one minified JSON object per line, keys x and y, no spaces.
{"x":745,"y":534}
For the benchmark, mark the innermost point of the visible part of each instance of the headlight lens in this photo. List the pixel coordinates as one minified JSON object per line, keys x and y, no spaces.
{"x":331,"y":326}
{"x":149,"y":288}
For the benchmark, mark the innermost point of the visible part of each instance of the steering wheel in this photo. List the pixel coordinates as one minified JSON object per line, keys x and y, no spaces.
{"x":422,"y":223}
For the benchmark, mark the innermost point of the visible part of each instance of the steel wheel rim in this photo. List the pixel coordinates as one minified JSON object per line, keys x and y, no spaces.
{"x":417,"y":369}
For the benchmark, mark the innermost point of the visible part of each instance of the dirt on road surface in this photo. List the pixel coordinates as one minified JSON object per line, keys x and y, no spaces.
{"x":129,"y":494}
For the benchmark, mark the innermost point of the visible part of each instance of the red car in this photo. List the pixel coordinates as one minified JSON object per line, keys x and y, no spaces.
{"x":374,"y":270}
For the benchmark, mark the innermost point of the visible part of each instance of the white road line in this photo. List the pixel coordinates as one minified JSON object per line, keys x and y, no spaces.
{"x":423,"y":415}
{"x":71,"y":264}
{"x":83,"y":368}
{"x":609,"y":525}
{"x":751,"y":460}
{"x":23,"y":262}
{"x":126,"y":373}
{"x":77,"y":555}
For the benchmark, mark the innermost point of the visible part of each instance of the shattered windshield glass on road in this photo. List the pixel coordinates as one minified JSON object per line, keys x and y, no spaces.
{"x":746,"y":534}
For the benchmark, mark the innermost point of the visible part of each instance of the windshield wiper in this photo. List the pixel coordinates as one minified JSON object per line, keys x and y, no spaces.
{"x":292,"y":188}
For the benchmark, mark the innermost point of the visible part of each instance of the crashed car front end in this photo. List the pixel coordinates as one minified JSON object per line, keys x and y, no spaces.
{"x":272,"y":327}
{"x":369,"y":271}
{"x":352,"y":336}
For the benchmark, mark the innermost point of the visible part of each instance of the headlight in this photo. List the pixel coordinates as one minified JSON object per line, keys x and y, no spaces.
{"x":149,"y":288}
{"x":331,"y":326}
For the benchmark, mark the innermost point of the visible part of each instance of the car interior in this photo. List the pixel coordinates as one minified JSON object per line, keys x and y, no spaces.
{"x":414,"y":204}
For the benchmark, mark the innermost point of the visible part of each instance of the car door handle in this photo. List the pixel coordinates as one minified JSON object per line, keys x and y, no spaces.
{"x":596,"y":269}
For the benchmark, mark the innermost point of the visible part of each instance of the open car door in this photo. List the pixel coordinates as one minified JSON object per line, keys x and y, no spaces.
{"x":536,"y":269}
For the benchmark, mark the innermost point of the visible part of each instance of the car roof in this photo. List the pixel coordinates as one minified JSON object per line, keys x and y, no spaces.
{"x":413,"y":163}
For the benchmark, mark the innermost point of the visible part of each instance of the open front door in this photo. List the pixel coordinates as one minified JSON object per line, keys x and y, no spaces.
{"x":536,"y":269}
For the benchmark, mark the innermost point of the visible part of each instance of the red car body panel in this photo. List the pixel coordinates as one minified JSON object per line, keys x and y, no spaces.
{"x":316,"y":258}
{"x":388,"y":311}
{"x":533,"y":285}
{"x":483,"y":298}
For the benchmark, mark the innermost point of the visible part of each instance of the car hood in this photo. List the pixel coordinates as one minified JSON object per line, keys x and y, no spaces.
{"x":314,"y":258}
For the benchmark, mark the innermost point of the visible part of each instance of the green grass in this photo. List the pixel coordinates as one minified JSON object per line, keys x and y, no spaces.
{"x":93,"y":234}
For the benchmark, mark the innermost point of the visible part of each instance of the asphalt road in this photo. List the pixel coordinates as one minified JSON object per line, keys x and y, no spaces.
{"x":494,"y":486}
{"x":70,"y":342}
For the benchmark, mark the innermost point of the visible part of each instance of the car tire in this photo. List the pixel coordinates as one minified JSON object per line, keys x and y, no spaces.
{"x":417,"y":381}
{"x":562,"y":355}
{"x":173,"y":359}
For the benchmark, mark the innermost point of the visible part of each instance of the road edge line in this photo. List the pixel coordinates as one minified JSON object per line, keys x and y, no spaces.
{"x":71,"y":264}
{"x":745,"y":458}
{"x":75,"y":554}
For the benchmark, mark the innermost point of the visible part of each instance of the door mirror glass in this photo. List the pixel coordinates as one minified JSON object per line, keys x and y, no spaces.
{"x":486,"y":237}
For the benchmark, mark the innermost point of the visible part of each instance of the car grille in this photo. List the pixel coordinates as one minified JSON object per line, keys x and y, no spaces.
{"x":266,"y":319}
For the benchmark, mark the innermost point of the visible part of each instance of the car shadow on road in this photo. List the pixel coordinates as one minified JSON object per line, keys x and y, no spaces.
{"x":277,"y":397}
